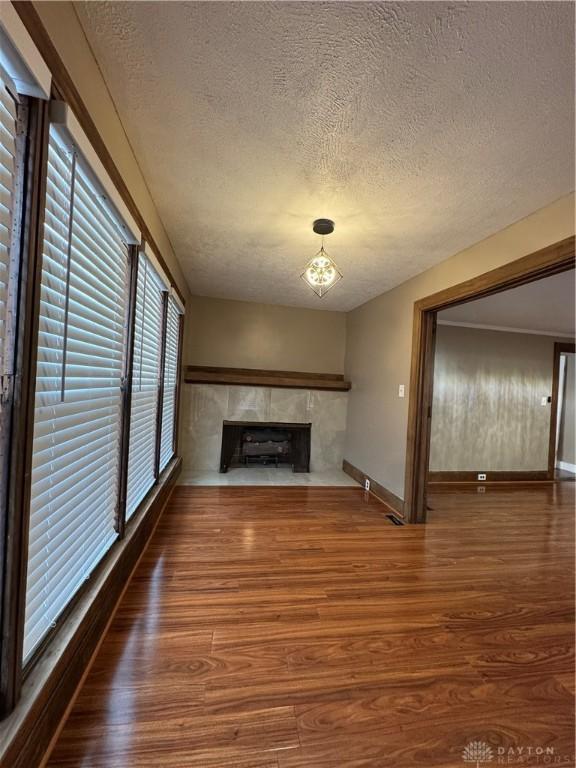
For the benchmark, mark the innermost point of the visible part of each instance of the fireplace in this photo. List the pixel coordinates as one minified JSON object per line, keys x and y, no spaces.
{"x":250,"y":443}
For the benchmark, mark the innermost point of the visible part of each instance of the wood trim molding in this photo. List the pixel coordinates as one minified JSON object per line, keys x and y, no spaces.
{"x":491,"y":477}
{"x":26,"y":734}
{"x":543,"y":263}
{"x":162,"y":371}
{"x":333,"y":382}
{"x":178,"y":393}
{"x":419,"y":415}
{"x":548,"y":261}
{"x":388,"y":498}
{"x":133,"y":261}
{"x":16,"y":524}
{"x":559,"y":348}
{"x":67,"y":91}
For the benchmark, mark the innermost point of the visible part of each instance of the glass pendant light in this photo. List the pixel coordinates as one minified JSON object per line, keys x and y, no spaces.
{"x":321,"y":272}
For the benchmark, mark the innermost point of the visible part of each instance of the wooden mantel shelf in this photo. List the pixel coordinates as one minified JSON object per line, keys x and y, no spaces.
{"x":252,"y":377}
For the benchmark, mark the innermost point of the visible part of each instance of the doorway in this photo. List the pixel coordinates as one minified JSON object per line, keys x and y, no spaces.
{"x":561,"y":455}
{"x":549,"y":261}
{"x":494,"y":384}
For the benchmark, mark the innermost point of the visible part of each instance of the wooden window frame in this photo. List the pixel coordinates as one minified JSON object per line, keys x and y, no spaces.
{"x":133,"y":256}
{"x":178,"y":392}
{"x":545,"y":262}
{"x":160,"y":401}
{"x":16,"y":523}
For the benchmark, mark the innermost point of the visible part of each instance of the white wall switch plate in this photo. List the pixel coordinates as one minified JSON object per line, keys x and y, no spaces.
{"x":544,"y":400}
{"x":482,"y":476}
{"x":366,"y":484}
{"x":401,"y":390}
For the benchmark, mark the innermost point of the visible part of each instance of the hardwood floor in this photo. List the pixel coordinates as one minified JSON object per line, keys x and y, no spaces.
{"x":298,"y":628}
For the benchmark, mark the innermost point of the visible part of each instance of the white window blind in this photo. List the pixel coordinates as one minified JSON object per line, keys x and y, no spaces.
{"x":81,"y":346}
{"x":170,"y":383}
{"x":145,"y":384}
{"x":8,"y":127}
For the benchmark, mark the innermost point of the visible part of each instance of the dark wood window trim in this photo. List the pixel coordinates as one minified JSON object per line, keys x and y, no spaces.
{"x":10,"y":351}
{"x":15,"y":526}
{"x":548,"y":261}
{"x":178,"y":392}
{"x":165,"y":298}
{"x":10,"y":385}
{"x":133,"y":255}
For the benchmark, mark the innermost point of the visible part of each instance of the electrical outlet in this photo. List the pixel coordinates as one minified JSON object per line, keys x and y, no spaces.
{"x":366,"y":484}
{"x":481,"y":476}
{"x":481,"y":489}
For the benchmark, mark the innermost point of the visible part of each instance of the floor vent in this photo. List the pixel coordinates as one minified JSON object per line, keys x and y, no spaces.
{"x":394,"y":519}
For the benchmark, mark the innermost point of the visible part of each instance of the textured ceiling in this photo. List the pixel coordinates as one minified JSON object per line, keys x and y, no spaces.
{"x":421,"y":128}
{"x":544,"y":306}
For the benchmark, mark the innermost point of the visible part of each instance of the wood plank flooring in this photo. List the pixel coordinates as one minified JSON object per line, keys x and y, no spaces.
{"x":298,"y":628}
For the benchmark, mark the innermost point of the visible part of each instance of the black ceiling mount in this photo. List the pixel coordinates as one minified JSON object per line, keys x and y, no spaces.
{"x":323,"y":226}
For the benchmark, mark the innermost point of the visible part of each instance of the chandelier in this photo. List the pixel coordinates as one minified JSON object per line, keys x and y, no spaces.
{"x":321,"y":272}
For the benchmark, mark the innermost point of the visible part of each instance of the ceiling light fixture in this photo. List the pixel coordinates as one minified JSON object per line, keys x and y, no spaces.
{"x":321,"y":273}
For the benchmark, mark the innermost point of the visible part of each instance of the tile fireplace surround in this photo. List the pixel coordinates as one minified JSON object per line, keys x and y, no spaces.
{"x":206,"y":406}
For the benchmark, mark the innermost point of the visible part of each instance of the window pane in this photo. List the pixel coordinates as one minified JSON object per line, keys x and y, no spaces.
{"x":170,"y":384}
{"x":81,"y":347}
{"x":145,"y":383}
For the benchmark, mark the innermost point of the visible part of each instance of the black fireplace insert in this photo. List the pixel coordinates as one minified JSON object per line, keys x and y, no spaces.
{"x":245,"y":443}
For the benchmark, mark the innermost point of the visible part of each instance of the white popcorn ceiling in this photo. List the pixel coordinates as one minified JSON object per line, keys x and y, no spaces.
{"x":420,"y":128}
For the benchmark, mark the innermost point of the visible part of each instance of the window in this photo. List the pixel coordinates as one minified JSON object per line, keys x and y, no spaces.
{"x":170,"y":383}
{"x":145,"y":384}
{"x":81,"y":358}
{"x":83,"y":454}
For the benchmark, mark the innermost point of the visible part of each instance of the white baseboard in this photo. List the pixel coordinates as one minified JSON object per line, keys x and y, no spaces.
{"x":566,"y":466}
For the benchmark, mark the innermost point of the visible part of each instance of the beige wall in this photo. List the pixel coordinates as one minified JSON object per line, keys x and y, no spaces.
{"x":567,"y":436}
{"x":61,"y":23}
{"x":487,"y":412}
{"x":241,"y":334}
{"x":379,"y":341}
